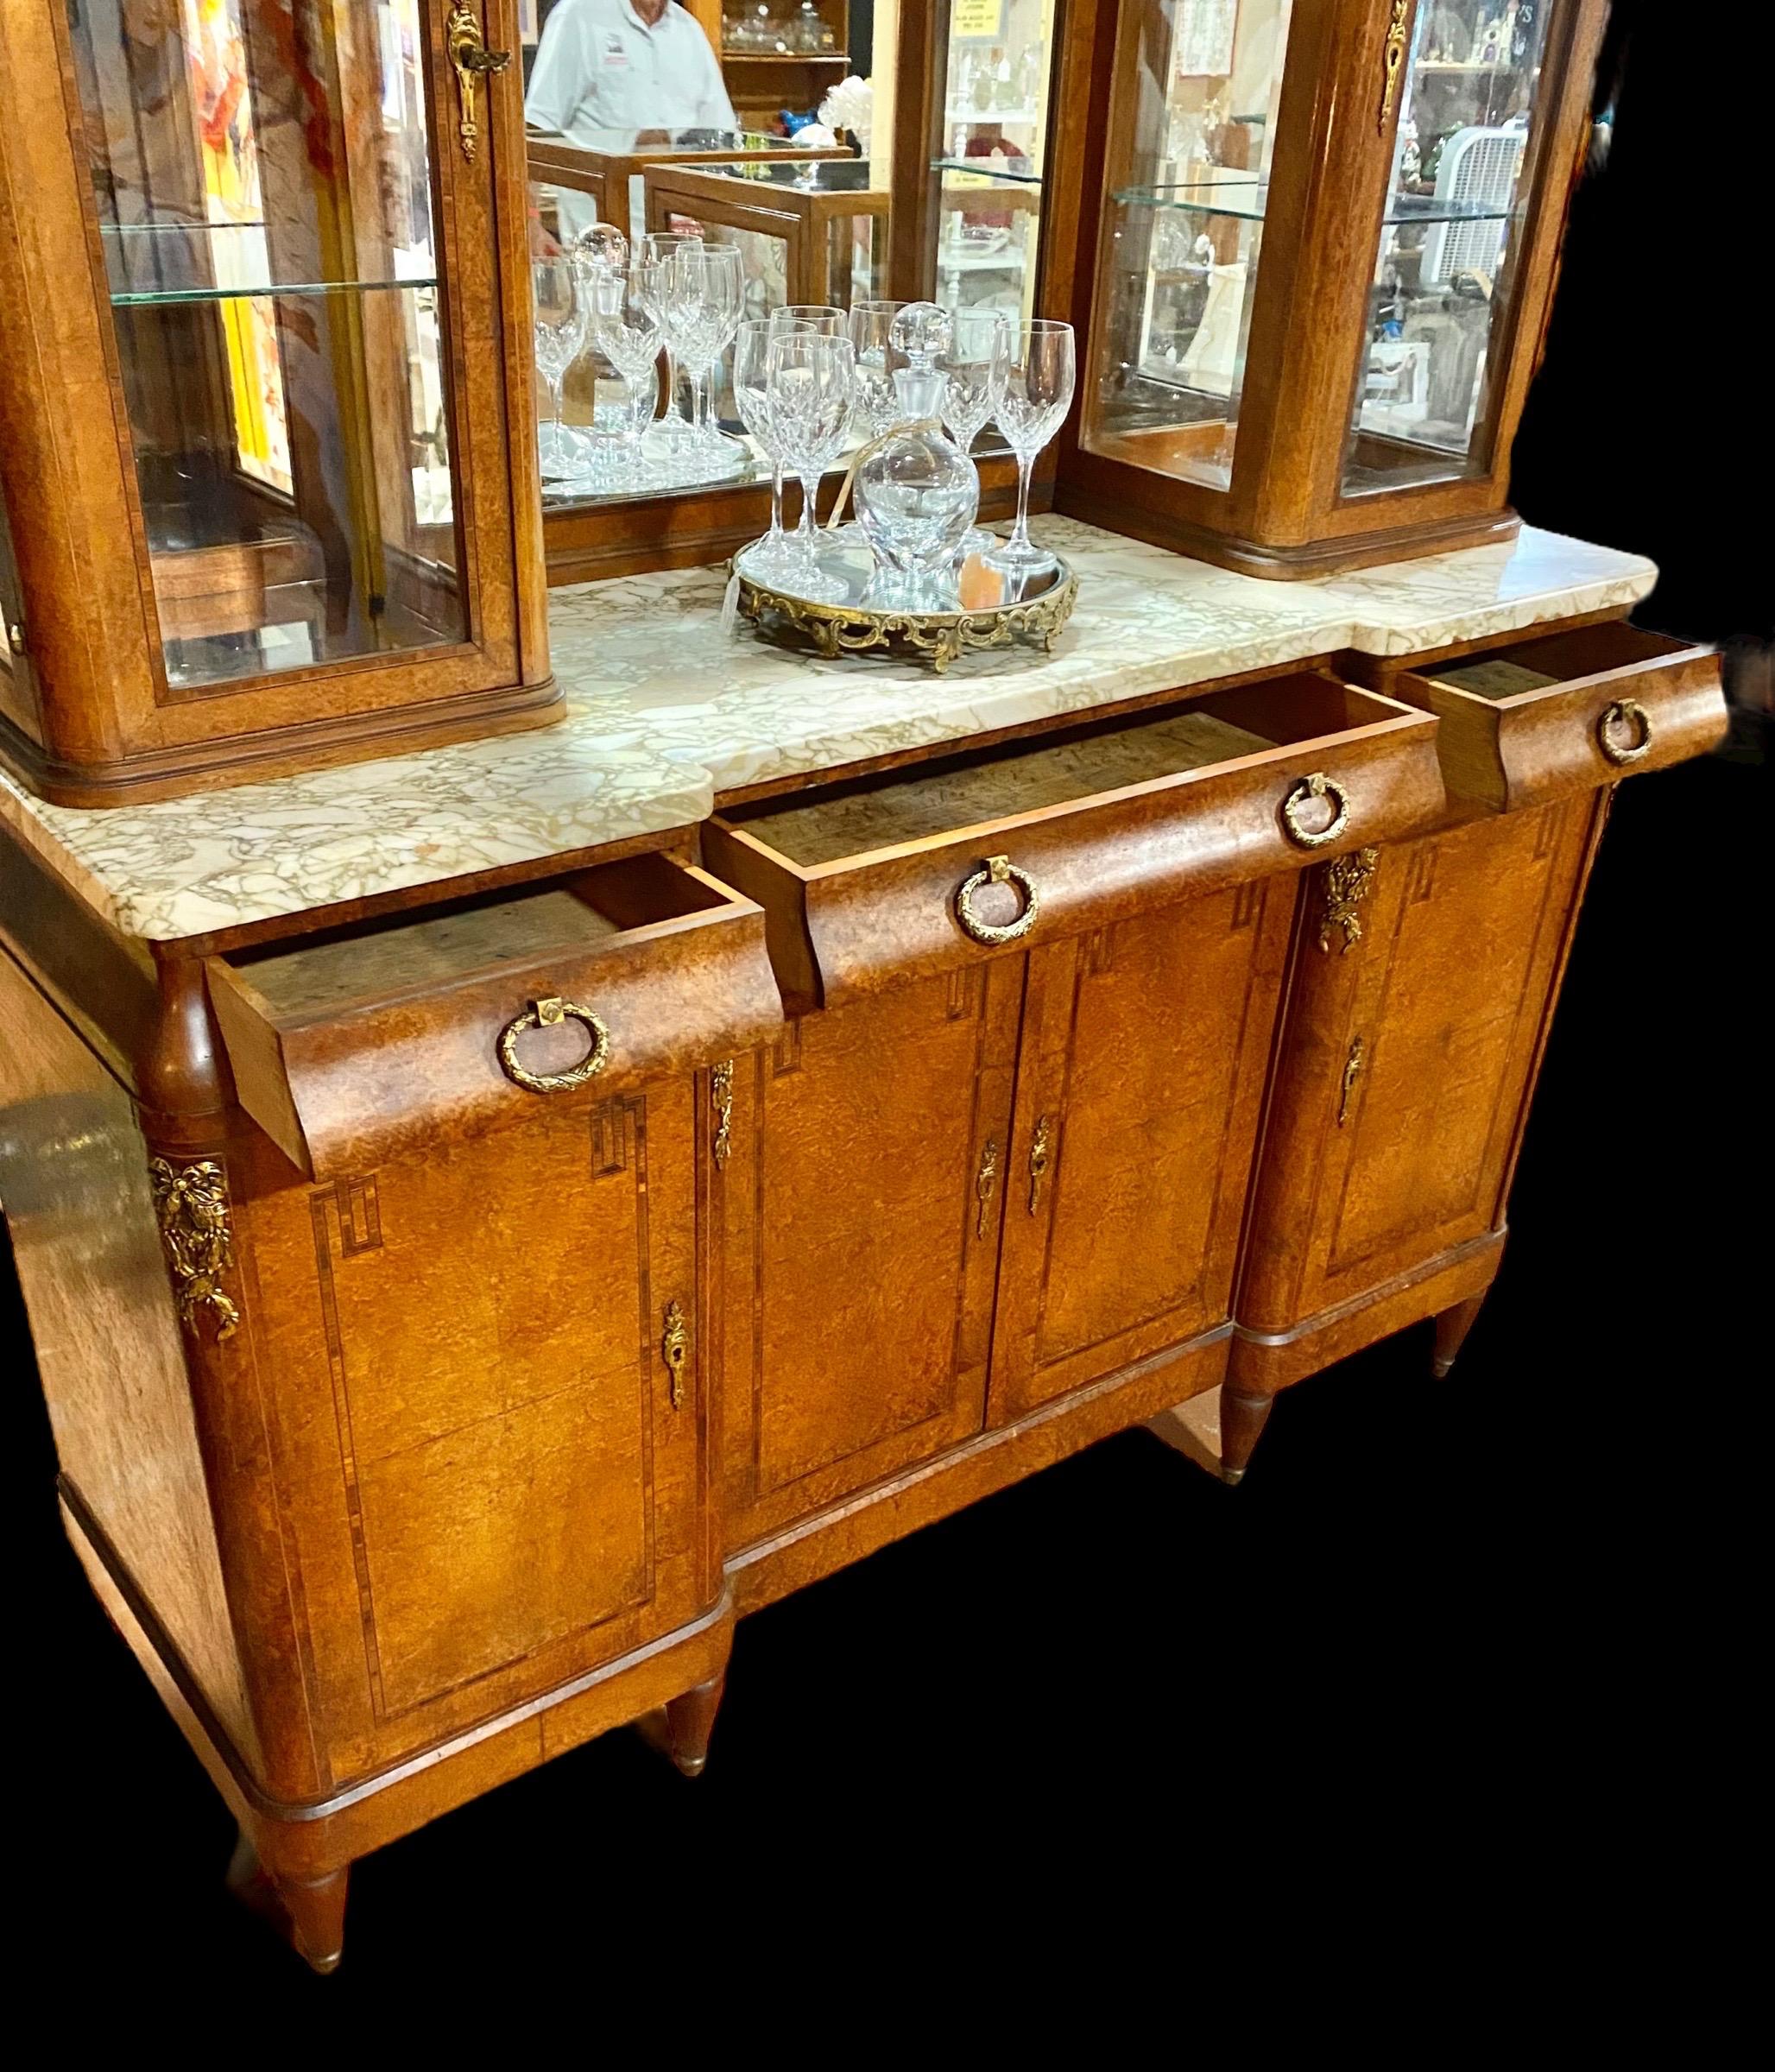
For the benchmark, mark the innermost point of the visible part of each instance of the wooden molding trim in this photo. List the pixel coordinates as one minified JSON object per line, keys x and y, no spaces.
{"x":1282,"y":564}
{"x":94,"y":1548}
{"x":251,"y":759}
{"x":1269,"y":1361}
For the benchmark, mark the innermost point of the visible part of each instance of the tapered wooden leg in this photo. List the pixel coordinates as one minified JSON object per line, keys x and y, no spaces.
{"x":1451,"y":1330}
{"x":688,"y":1722}
{"x":1241,"y":1421}
{"x":309,"y":1913}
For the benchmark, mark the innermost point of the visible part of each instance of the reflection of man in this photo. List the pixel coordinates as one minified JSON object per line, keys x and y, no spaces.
{"x":606,"y":65}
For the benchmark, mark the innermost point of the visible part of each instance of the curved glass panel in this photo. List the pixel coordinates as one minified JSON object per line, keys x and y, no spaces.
{"x":1458,"y":193}
{"x":1197,"y":87}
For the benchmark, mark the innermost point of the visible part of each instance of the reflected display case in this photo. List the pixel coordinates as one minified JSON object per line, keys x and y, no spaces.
{"x":1313,"y":265}
{"x":784,"y":55}
{"x":811,"y":232}
{"x":977,"y":80}
{"x":608,"y":174}
{"x":266,"y":436}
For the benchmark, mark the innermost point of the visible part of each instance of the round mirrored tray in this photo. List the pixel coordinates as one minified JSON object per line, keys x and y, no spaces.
{"x":985,"y":606}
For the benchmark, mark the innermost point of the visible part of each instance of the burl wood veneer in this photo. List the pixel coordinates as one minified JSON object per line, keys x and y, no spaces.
{"x":422,"y":1414}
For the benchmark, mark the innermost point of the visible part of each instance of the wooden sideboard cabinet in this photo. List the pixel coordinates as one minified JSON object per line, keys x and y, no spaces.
{"x":518,"y":1286}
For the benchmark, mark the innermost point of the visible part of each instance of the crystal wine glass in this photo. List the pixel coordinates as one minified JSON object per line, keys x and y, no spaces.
{"x":1038,"y":377}
{"x":772,"y":557}
{"x":973,"y":368}
{"x":724,"y":300}
{"x":675,"y":261}
{"x":599,"y":249}
{"x":811,"y":388}
{"x":877,"y":361}
{"x":560,"y":337}
{"x":625,"y":320}
{"x":826,"y":317}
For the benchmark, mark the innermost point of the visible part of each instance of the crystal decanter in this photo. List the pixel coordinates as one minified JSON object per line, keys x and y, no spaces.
{"x":916,"y":491}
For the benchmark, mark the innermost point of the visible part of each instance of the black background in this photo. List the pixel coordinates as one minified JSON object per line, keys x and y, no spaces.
{"x":1477,"y":1639}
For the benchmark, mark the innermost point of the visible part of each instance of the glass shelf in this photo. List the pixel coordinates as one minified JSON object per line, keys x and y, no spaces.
{"x":984,"y":170}
{"x":1006,"y":118}
{"x":805,"y":176}
{"x":158,"y":264}
{"x":654,"y":143}
{"x":1247,"y":200}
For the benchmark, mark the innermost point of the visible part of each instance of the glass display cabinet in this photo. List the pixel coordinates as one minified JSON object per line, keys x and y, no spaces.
{"x":608,"y":174}
{"x":813,"y":232}
{"x":1314,"y":265}
{"x":778,"y":54}
{"x":977,"y":76}
{"x":267,"y":436}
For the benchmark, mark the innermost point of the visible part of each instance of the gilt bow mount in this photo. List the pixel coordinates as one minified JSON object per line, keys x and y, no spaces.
{"x":191,"y":1206}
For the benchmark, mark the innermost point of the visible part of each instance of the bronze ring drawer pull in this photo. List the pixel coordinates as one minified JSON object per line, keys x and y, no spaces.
{"x":1623,"y":712}
{"x":997,"y":870}
{"x":545,"y":1014}
{"x":1318,"y":786}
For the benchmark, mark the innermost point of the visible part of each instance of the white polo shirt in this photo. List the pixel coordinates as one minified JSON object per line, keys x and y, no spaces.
{"x":600,"y":67}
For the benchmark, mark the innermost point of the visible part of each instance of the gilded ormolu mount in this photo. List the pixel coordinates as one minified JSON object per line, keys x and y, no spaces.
{"x":191,"y":1204}
{"x":1347,"y":879}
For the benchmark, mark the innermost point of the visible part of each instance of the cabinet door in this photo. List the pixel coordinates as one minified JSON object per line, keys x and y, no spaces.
{"x":497,"y":1479}
{"x":291,"y":335}
{"x":1144,"y":1054}
{"x":862,"y":1205}
{"x":1408,"y":1057}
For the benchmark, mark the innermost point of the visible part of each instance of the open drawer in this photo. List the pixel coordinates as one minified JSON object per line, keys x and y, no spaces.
{"x":1531,"y":720}
{"x":914,"y":870}
{"x":376,"y":1040}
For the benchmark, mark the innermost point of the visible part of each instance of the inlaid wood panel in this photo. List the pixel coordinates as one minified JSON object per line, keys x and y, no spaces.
{"x":488,"y":1480}
{"x":1144,"y":1054}
{"x":1408,"y":1059}
{"x":861,"y":1242}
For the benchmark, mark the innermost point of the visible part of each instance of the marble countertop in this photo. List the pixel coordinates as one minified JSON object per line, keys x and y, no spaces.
{"x":665,"y":711}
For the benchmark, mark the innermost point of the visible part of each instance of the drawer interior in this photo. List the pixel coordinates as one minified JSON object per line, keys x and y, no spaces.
{"x":379,"y":1038}
{"x":833,"y":822}
{"x":405,"y":952}
{"x":1523,"y":667}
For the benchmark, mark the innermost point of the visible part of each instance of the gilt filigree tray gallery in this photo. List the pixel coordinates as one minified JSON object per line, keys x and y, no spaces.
{"x":991,"y":608}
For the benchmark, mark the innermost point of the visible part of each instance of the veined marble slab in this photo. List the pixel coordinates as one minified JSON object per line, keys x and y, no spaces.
{"x":255,"y":851}
{"x":663,"y":711}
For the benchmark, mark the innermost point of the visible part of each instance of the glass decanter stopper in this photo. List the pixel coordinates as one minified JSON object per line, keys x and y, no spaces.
{"x":917,"y":491}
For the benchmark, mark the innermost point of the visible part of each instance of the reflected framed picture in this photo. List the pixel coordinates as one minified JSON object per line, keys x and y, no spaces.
{"x":1205,"y":34}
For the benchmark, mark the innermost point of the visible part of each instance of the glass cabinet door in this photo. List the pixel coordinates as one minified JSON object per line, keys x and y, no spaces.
{"x":267,"y":209}
{"x":1463,"y":170}
{"x":993,"y":148}
{"x":1193,"y":131}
